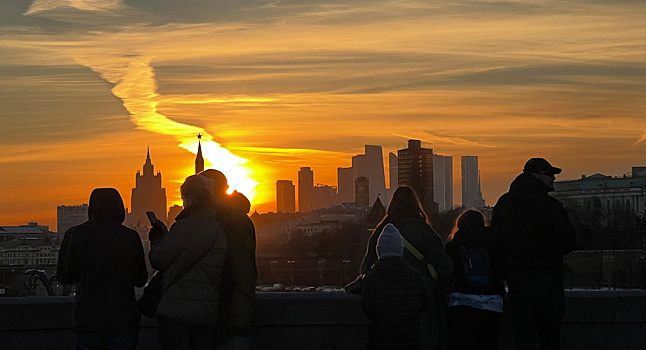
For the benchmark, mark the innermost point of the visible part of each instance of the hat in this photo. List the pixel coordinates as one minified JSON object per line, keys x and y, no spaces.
{"x":390,"y":242}
{"x":537,"y":165}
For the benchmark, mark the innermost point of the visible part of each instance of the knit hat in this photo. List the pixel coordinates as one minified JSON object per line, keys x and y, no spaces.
{"x":390,"y":242}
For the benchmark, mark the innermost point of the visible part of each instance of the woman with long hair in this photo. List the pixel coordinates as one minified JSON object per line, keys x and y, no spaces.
{"x":475,"y":304}
{"x":405,"y":212}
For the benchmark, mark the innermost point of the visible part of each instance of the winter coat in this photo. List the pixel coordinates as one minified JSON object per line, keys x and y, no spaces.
{"x":107,"y":258}
{"x":238,"y":287}
{"x":394,"y":297}
{"x":195,"y":249}
{"x":426,"y":240}
{"x":471,"y":239}
{"x":532,"y":228}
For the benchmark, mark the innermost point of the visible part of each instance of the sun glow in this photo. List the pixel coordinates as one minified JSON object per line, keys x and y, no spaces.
{"x":135,"y":85}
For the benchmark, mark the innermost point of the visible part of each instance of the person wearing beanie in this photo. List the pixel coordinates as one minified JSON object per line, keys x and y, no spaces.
{"x":406,"y":213}
{"x":106,"y":261}
{"x":394,"y":296}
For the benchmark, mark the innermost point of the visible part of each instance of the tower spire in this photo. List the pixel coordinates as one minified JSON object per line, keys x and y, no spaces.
{"x":199,"y":160}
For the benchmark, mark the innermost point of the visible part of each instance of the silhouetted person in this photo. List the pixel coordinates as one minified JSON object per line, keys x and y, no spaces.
{"x":191,"y":258}
{"x":475,"y":303}
{"x":394,"y":296}
{"x":107,"y":259}
{"x":535,"y":232}
{"x":406,"y":213}
{"x":238,"y":288}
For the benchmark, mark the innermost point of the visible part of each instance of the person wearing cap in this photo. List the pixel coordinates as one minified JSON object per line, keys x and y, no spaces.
{"x":394,"y":296}
{"x":533,"y":232}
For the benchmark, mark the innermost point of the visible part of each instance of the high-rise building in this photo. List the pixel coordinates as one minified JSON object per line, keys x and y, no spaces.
{"x":471,"y":192}
{"x":443,"y":182}
{"x":285,"y":196}
{"x":415,"y":170}
{"x":362,"y":191}
{"x":305,"y":190}
{"x":70,"y":215}
{"x":148,"y":195}
{"x":393,"y":171}
{"x":324,"y":196}
{"x":345,"y":185}
{"x":371,"y":165}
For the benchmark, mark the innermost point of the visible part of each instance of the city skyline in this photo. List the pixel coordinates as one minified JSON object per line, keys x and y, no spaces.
{"x":87,"y":85}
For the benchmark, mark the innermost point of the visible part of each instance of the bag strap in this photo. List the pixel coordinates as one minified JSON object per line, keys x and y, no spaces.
{"x":420,"y":257}
{"x":181,"y":275}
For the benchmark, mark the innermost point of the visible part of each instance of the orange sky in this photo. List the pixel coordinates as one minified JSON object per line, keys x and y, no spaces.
{"x":87,"y":85}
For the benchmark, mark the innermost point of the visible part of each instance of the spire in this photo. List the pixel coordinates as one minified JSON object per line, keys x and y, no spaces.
{"x":148,"y":166}
{"x":199,"y":160}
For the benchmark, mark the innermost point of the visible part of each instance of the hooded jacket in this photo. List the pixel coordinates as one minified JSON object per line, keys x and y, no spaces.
{"x":107,"y":258}
{"x":191,"y":257}
{"x":532,"y":228}
{"x":238,"y":287}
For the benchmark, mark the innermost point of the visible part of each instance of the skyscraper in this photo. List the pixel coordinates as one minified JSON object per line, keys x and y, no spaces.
{"x":362,"y":191}
{"x":371,"y":165}
{"x":443,"y":182}
{"x":393,"y":171}
{"x":471,"y":192}
{"x":148,"y":195}
{"x":285,"y":196}
{"x":345,"y":185}
{"x":415,"y":170}
{"x":305,"y":189}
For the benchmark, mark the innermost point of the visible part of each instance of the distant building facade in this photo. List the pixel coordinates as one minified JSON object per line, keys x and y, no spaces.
{"x":471,"y":191}
{"x":415,"y":170}
{"x":443,"y":182}
{"x":345,"y":185}
{"x":70,"y":215}
{"x":285,"y":196}
{"x":608,"y":212}
{"x":148,"y":195}
{"x":362,"y":191}
{"x":305,"y":190}
{"x":371,"y":166}
{"x":324,"y":196}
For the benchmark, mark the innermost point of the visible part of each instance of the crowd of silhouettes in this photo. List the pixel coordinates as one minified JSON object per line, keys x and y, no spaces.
{"x":417,"y":292}
{"x":464,"y":282}
{"x":206,"y":260}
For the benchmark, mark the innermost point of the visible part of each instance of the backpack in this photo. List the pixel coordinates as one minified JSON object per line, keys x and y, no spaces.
{"x":477,"y":266}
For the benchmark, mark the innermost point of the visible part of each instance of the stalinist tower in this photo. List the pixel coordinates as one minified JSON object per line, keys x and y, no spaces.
{"x":199,"y":160}
{"x":148,"y":195}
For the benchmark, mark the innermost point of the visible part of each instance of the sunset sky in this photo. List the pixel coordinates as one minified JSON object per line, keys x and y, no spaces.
{"x":87,"y":85}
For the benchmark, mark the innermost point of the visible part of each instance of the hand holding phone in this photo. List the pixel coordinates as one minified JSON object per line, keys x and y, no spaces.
{"x":151,"y":217}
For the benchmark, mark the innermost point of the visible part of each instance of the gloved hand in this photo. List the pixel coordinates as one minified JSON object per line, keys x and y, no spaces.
{"x":157,"y":231}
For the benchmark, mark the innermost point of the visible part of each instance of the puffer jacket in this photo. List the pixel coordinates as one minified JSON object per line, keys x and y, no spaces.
{"x":533,"y":229}
{"x":394,"y":297}
{"x":193,"y":299}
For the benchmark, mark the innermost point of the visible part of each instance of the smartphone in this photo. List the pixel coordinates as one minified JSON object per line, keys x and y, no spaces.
{"x":151,"y":217}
